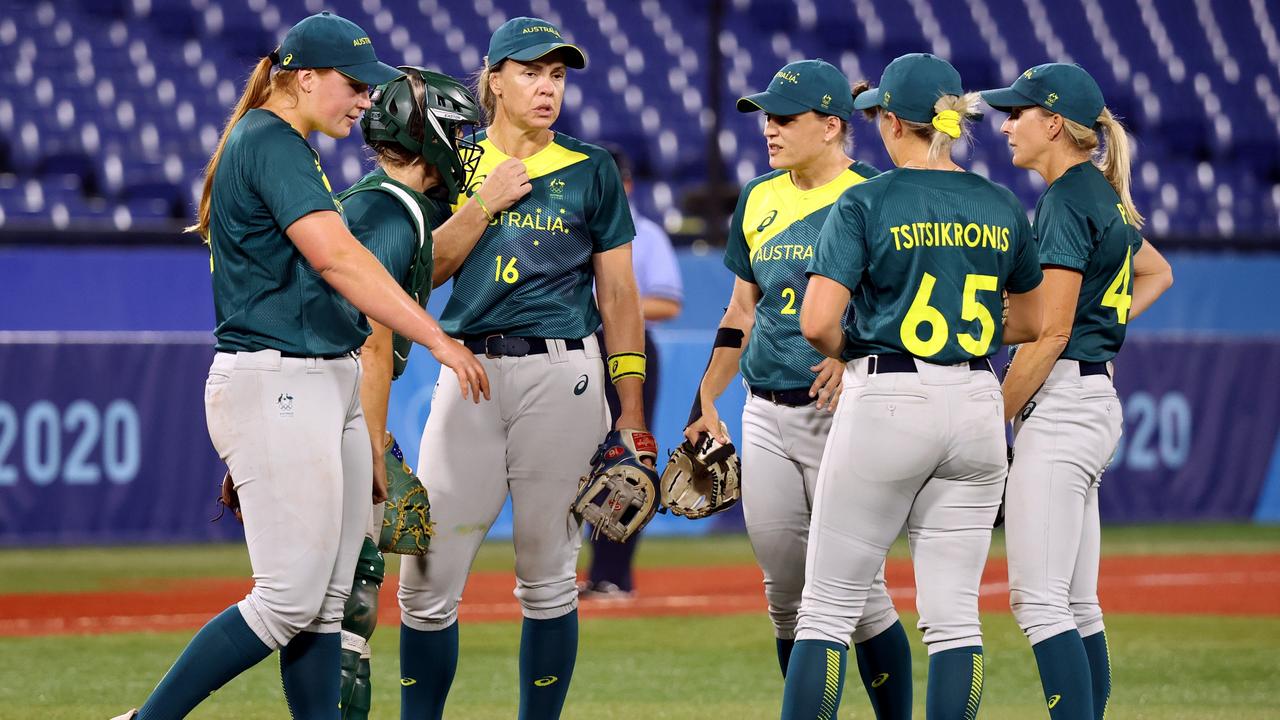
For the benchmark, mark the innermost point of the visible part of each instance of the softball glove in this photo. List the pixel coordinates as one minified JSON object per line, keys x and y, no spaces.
{"x":620,"y":494}
{"x":406,"y":521}
{"x":703,"y":479}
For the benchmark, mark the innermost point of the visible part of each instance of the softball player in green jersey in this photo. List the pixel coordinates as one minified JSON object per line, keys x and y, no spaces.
{"x":523,"y":299}
{"x":415,"y":129}
{"x":282,"y":398}
{"x":924,"y":251}
{"x":793,"y":389}
{"x":1098,"y":275}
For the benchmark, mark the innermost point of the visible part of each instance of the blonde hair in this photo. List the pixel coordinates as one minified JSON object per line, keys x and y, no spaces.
{"x":257,"y":89}
{"x":488,"y":101}
{"x":939,"y":142}
{"x":1112,"y":160}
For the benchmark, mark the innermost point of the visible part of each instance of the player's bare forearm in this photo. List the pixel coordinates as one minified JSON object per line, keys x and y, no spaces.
{"x":723,"y":366}
{"x":1152,"y":276}
{"x":375,"y":384}
{"x":348,"y":267}
{"x":631,"y":404}
{"x":1034,"y":361}
{"x":1026,"y":317}
{"x":619,"y":302}
{"x":503,"y":187}
{"x":1031,"y":366}
{"x":825,"y":301}
{"x":375,"y":389}
{"x":455,"y":239}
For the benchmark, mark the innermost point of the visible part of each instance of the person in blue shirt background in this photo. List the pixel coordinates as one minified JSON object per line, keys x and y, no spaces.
{"x":661,"y":297}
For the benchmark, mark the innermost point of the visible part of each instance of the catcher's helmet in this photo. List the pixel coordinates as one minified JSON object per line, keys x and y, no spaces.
{"x":447,"y":105}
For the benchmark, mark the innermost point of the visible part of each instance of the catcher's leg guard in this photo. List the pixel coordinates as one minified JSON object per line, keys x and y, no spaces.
{"x":358,"y":623}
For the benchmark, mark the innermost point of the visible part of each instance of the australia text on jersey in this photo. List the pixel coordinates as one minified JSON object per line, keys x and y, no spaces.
{"x":949,"y":234}
{"x":768,"y":252}
{"x":534,"y":221}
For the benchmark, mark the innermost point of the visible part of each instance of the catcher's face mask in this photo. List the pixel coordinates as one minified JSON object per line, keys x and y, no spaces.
{"x":441,"y":129}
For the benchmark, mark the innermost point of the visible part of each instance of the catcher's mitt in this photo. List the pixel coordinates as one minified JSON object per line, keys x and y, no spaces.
{"x":620,"y":494}
{"x":406,"y":522}
{"x":702,"y":479}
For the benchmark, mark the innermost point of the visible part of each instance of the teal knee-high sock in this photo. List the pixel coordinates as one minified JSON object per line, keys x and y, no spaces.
{"x":1064,"y":674}
{"x":548,"y":651}
{"x":815,"y":679}
{"x":1095,"y":647}
{"x":224,"y":648}
{"x":884,"y":662}
{"x":784,"y":646}
{"x":311,"y":672}
{"x":955,"y":684}
{"x":428,"y":662}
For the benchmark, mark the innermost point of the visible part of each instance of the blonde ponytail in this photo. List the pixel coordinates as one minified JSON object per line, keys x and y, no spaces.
{"x":257,"y":89}
{"x":1115,"y":163}
{"x":1114,"y":158}
{"x":962,"y":105}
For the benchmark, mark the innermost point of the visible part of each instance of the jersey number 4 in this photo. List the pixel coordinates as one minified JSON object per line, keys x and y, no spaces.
{"x":921,"y":313}
{"x":1119,"y":294}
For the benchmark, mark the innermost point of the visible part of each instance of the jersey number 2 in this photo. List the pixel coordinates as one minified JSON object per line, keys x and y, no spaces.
{"x":508,"y":274}
{"x":1120,"y":293}
{"x":788,"y":294}
{"x":922,"y":313}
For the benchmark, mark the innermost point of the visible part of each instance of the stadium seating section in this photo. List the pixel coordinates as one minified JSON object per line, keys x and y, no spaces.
{"x":110,"y":108}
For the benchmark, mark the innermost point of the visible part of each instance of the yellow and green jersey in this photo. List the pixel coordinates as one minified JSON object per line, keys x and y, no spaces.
{"x":530,"y":273}
{"x":265,"y":294}
{"x":1082,"y":225}
{"x":925,"y":254}
{"x":771,"y":240}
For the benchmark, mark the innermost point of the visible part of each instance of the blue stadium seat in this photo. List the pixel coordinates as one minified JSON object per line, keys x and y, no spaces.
{"x":130,"y":95}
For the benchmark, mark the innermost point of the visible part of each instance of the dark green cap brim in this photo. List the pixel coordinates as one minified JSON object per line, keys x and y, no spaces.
{"x":1006,"y":99}
{"x":370,"y":73}
{"x":771,"y":103}
{"x":573,"y":55}
{"x":867,"y":99}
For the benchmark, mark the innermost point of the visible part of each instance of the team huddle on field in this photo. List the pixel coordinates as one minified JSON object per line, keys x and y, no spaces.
{"x":865,"y":310}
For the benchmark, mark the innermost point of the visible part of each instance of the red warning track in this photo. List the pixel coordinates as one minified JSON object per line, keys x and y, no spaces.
{"x":1197,"y":584}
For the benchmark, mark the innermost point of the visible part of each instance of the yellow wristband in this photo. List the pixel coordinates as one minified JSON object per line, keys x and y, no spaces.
{"x":625,"y":365}
{"x":483,"y":208}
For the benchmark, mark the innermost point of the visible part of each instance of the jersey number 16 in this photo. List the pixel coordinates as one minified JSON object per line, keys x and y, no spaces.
{"x":922,"y":313}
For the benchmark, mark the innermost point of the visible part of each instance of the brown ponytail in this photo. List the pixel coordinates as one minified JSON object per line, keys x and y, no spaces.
{"x":860,"y":87}
{"x":257,"y":89}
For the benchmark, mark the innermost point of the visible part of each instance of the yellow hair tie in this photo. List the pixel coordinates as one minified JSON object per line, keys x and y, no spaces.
{"x":948,"y":121}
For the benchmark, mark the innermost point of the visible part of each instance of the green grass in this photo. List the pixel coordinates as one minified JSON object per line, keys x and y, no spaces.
{"x":78,"y":569}
{"x":1173,"y":668}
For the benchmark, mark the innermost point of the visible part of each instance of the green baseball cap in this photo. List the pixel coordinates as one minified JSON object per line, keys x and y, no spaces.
{"x":1061,"y":88}
{"x":325,"y":40}
{"x":803,"y":86}
{"x":525,"y":39}
{"x":911,"y":85}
